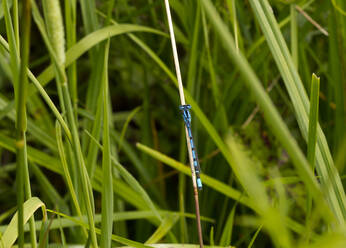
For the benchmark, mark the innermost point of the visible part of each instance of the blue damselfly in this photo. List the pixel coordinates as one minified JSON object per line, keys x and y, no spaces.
{"x":185,"y":111}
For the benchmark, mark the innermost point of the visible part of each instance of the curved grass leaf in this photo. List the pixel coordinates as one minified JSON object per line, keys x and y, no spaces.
{"x":166,"y":225}
{"x":29,"y":207}
{"x":128,"y":119}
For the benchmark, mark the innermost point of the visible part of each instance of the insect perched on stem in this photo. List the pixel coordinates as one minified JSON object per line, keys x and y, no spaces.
{"x":185,"y":110}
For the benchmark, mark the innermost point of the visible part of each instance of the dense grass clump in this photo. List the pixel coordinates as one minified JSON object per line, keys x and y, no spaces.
{"x":92,"y":145}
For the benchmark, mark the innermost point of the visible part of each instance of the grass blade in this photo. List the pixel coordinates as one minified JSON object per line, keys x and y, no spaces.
{"x":255,"y":236}
{"x":12,"y":232}
{"x":336,"y":58}
{"x":294,"y":34}
{"x":313,"y":119}
{"x":166,"y":225}
{"x":226,"y":236}
{"x":107,"y":185}
{"x":66,"y":172}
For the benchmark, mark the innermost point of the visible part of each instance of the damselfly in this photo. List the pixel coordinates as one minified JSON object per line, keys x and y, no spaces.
{"x":185,"y":110}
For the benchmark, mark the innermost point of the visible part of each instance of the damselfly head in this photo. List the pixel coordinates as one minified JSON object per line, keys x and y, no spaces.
{"x":185,"y":111}
{"x":185,"y":107}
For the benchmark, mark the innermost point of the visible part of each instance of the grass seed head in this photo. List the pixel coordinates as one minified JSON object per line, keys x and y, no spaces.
{"x":55,"y":27}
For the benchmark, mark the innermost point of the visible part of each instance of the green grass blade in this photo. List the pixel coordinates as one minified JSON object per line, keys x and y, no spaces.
{"x":294,"y":34}
{"x":95,"y":132}
{"x":226,"y":236}
{"x":336,"y":73}
{"x":194,"y":52}
{"x":231,"y":5}
{"x":128,"y":120}
{"x":29,"y":207}
{"x":65,"y":169}
{"x":312,"y":134}
{"x":16,"y":21}
{"x":166,"y":225}
{"x":89,"y":16}
{"x":313,"y":119}
{"x":255,"y":236}
{"x":107,"y":185}
{"x":12,"y":45}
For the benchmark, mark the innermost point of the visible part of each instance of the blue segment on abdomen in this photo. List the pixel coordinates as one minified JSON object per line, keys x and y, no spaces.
{"x":199,"y":183}
{"x":191,"y":142}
